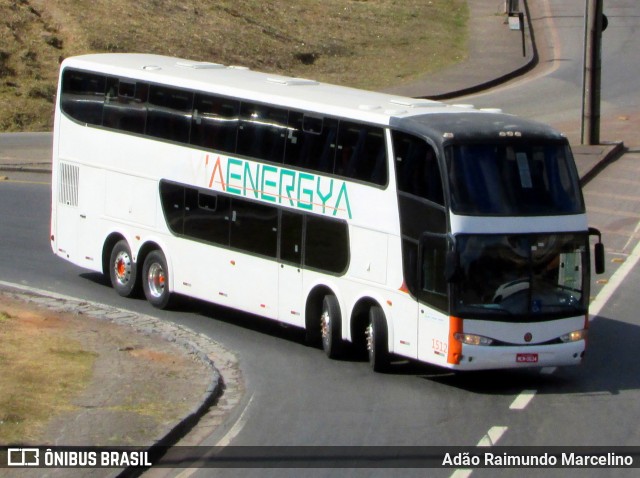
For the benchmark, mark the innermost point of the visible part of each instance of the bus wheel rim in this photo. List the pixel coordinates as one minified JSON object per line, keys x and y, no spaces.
{"x":122,"y":268}
{"x":369,"y":335}
{"x":156,"y":280}
{"x":325,"y":323}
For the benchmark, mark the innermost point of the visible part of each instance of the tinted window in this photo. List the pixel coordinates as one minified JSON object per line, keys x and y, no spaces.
{"x":172,"y":199}
{"x":215,"y":123}
{"x":418,"y":216}
{"x":254,"y":228}
{"x":311,"y":142}
{"x":291,"y":237}
{"x":361,"y":153}
{"x":432,"y":279}
{"x":169,"y":113}
{"x":83,"y":96}
{"x":125,"y":105}
{"x":417,"y":170}
{"x":206,"y":216}
{"x":262,"y":132}
{"x":513,"y":177}
{"x":326,"y":244}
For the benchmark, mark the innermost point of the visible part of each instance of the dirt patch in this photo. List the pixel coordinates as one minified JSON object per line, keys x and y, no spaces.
{"x":129,"y":388}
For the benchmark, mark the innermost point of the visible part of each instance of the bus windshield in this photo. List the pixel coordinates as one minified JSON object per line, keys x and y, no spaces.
{"x":522,"y":277}
{"x":513,"y":178}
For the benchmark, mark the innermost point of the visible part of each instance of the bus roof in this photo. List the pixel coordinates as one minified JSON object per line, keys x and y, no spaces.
{"x":472,"y":126}
{"x":310,"y":95}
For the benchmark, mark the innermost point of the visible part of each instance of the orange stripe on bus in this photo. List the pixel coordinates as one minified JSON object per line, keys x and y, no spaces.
{"x":455,"y":347}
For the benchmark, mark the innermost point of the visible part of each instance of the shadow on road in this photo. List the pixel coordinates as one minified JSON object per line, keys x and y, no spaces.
{"x":610,"y":366}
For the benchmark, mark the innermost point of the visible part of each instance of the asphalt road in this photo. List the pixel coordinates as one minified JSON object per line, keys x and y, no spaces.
{"x":296,"y":396}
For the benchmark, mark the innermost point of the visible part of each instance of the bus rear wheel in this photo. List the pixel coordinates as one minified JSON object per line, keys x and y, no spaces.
{"x":377,"y":340}
{"x":123,"y":270}
{"x":330,"y":327}
{"x":155,"y":280}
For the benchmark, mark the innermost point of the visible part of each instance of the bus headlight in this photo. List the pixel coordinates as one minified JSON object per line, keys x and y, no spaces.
{"x":472,"y":339}
{"x":574,"y":336}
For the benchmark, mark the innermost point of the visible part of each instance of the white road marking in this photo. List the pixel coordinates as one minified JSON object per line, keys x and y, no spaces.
{"x":493,"y":435}
{"x":522,"y":400}
{"x":617,"y":278}
{"x":461,"y":473}
{"x":237,"y":426}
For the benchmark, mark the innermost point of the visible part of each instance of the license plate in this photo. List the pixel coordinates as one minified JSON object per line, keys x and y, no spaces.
{"x":527,"y":358}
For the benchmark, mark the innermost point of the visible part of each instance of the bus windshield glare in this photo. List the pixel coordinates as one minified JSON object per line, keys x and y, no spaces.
{"x":522,"y":277}
{"x":513,"y":178}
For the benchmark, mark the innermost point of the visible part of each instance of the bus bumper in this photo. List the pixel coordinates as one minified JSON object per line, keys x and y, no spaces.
{"x":477,"y":357}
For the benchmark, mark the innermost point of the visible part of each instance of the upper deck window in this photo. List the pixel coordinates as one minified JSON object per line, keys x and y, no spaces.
{"x":513,"y":179}
{"x":83,"y":96}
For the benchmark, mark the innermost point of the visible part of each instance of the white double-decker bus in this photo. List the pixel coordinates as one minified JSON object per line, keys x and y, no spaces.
{"x":409,"y":228}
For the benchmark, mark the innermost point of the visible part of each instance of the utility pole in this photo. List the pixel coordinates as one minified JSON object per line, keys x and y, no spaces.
{"x":591,"y":84}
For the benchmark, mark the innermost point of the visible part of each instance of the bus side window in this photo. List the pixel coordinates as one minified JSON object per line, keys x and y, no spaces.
{"x":172,"y":200}
{"x":83,"y":96}
{"x":262,"y":132}
{"x":417,"y":170}
{"x":169,"y":113}
{"x":254,"y":228}
{"x":125,"y":106}
{"x":215,"y":122}
{"x":206,"y":216}
{"x":433,"y":284}
{"x":311,"y":142}
{"x":326,"y":244}
{"x":361,"y":153}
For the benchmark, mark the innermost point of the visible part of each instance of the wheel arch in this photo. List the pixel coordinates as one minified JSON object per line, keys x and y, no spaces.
{"x":111,"y":240}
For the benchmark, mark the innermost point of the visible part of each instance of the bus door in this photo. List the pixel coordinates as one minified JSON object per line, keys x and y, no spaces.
{"x":433,"y":321}
{"x":290,"y":304}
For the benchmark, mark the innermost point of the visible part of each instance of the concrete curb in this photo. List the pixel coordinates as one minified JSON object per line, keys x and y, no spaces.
{"x":614,"y":151}
{"x":195,"y":343}
{"x":530,"y":65}
{"x":10,"y":168}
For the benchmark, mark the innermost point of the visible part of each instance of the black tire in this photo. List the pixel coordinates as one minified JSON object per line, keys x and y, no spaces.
{"x":330,"y":327}
{"x":123,"y":270}
{"x":155,"y":280}
{"x":377,"y":340}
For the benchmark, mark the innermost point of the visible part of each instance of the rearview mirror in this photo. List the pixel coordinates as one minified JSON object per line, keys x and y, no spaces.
{"x":598,"y":251}
{"x":598,"y":257}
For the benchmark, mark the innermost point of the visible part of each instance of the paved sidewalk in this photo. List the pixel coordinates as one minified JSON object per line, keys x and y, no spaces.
{"x":495,"y":56}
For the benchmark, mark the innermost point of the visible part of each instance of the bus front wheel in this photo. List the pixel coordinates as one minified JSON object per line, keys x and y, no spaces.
{"x":122,"y":270}
{"x":155,"y":280}
{"x":330,"y":326}
{"x":377,"y":341}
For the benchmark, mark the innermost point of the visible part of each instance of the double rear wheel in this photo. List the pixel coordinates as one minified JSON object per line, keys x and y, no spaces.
{"x":123,"y":272}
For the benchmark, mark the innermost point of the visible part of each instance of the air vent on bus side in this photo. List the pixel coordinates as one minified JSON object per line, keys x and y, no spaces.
{"x":68,"y":178}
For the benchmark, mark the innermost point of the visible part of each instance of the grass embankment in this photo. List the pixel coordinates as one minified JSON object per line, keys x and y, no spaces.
{"x":42,"y":370}
{"x":363,"y":43}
